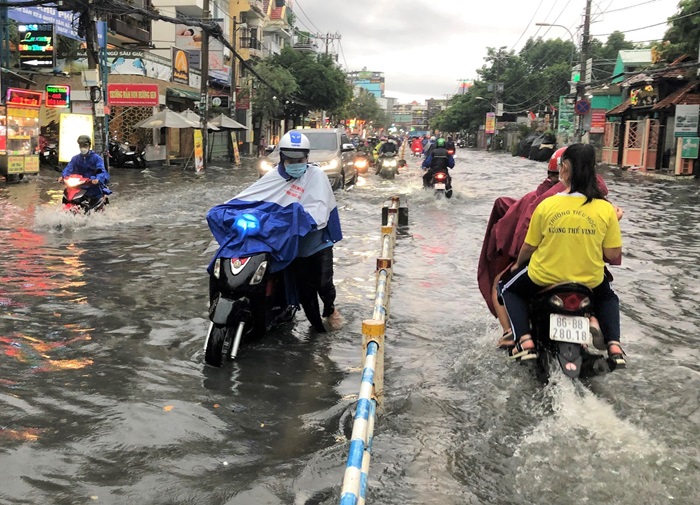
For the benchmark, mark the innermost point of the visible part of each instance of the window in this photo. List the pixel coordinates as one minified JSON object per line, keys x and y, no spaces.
{"x":326,"y":141}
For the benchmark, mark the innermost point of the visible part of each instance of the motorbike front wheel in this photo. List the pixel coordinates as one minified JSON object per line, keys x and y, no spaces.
{"x":219,"y":344}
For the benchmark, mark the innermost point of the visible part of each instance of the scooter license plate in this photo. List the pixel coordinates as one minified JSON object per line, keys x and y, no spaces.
{"x":572,"y":329}
{"x":439,"y":185}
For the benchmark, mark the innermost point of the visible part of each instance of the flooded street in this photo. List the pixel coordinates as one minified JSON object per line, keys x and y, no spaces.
{"x":105,"y":398}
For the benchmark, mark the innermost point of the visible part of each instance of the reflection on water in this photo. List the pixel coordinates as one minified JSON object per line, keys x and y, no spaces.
{"x":103,"y":320}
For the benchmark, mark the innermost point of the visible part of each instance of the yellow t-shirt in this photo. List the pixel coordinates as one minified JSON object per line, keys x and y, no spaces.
{"x":570,"y":238}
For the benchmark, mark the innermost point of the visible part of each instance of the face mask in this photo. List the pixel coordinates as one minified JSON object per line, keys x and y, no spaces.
{"x":84,"y":150}
{"x":295,"y":170}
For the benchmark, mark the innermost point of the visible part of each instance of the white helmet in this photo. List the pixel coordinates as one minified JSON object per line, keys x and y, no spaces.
{"x":432,"y":137}
{"x":294,"y":144}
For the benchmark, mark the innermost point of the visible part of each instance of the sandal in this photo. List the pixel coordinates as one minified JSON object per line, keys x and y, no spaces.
{"x":520,"y":353}
{"x":616,"y":359}
{"x":596,"y":334}
{"x":507,"y":340}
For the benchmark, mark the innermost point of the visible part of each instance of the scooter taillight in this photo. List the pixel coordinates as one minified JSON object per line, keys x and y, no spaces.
{"x":570,"y":301}
{"x":440,"y":176}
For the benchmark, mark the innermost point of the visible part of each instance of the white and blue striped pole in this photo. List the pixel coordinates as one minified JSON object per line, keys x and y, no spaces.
{"x":359,"y":441}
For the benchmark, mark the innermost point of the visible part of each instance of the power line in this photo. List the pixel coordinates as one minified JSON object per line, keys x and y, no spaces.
{"x":634,"y":6}
{"x":528,"y":25}
{"x":307,"y":17}
{"x":669,"y":21}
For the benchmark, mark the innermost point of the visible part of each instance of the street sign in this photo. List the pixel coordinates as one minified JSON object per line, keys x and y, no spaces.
{"x":582,"y":107}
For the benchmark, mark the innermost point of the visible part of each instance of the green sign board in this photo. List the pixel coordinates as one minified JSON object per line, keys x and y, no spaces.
{"x":690,"y":148}
{"x":566,"y":116}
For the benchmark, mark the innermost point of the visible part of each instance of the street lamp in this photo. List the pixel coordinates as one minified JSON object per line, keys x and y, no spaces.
{"x":485,"y":100}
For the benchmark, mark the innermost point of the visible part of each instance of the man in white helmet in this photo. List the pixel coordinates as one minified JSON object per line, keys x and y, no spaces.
{"x":307,"y":248}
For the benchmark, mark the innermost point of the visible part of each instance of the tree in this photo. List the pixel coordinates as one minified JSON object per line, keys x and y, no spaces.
{"x":684,"y":33}
{"x":268,"y":103}
{"x":321,"y":82}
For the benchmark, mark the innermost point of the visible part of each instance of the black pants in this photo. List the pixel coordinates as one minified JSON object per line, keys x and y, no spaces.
{"x":314,"y":278}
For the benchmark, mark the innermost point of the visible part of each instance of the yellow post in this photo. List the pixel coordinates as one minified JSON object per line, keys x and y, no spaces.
{"x":373,"y":330}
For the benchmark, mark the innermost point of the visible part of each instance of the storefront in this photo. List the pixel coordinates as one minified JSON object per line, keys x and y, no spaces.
{"x":19,"y":133}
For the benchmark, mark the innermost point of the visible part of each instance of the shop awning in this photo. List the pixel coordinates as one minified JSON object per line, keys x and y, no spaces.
{"x":620,"y":109}
{"x":684,"y":96}
{"x":183,"y":93}
{"x":13,"y":75}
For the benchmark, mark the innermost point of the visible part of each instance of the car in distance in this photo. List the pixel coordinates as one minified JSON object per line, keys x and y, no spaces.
{"x":331,"y":149}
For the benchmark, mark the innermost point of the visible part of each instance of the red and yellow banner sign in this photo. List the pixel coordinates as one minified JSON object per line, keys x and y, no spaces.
{"x":137,"y":95}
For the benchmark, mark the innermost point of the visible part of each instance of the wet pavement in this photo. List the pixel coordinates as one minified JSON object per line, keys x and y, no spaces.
{"x":104,"y":397}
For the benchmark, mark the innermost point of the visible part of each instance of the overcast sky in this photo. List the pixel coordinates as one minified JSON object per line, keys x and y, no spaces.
{"x":424,"y":47}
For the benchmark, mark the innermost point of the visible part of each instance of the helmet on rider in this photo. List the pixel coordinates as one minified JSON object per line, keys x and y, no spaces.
{"x":432,"y":137}
{"x":555,"y":160}
{"x":441,"y":142}
{"x":294,"y":145}
{"x":84,"y":140}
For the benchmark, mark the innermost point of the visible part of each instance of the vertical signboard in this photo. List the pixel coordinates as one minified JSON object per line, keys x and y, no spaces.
{"x":36,"y":45}
{"x":198,"y":151}
{"x":490,"y":122}
{"x":566,"y":116}
{"x":181,"y":66}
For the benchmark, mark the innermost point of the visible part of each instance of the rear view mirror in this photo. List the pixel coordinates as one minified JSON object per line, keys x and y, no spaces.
{"x":348,"y":147}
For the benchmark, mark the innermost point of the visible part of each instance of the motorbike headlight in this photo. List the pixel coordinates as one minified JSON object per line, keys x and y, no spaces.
{"x":265,"y":165}
{"x":259,"y":274}
{"x":392,"y":163}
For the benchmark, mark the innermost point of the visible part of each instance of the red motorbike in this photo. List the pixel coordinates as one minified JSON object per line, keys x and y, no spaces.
{"x":75,"y":198}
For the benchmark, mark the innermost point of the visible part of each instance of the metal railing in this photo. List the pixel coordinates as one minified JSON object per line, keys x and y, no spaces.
{"x":372,"y":385}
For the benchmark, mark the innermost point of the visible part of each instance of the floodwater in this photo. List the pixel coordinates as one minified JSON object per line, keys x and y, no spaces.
{"x":104,"y":396}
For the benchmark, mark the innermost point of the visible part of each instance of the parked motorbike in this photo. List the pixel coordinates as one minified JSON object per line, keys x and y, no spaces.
{"x":122,"y":154}
{"x":75,"y":199}
{"x":439,"y":182}
{"x":49,"y":155}
{"x":387,"y":165}
{"x":560,"y":317}
{"x":461,"y":143}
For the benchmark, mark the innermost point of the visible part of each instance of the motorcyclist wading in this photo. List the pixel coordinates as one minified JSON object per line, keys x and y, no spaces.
{"x":439,"y":160}
{"x":90,"y":165}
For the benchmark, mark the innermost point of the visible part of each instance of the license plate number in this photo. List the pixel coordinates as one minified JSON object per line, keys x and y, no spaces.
{"x":439,"y":185}
{"x":572,"y":329}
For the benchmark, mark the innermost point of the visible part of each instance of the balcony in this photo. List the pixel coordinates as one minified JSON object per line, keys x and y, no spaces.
{"x":258,"y":6}
{"x":130,"y":29}
{"x":253,"y":45}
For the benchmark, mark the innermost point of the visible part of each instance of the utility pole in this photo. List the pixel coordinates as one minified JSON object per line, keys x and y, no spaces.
{"x":232,"y":105}
{"x":204,"y":88}
{"x":585,"y":50}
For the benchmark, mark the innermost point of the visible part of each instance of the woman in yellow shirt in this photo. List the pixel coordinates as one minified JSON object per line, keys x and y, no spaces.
{"x":569,"y":236}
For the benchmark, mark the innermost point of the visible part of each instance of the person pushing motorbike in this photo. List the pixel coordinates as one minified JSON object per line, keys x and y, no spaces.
{"x":90,"y":165}
{"x":439,"y":160}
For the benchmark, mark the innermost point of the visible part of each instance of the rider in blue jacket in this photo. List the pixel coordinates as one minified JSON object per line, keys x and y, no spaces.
{"x":89,"y":164}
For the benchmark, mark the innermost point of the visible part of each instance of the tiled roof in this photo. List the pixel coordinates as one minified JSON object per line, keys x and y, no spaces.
{"x":683,"y":96}
{"x":276,"y":13}
{"x":620,"y":109}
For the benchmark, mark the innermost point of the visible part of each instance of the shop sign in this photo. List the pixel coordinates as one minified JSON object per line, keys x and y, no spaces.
{"x":181,"y":66}
{"x":15,"y":164}
{"x":31,"y":164}
{"x":57,"y":96}
{"x":686,"y":121}
{"x":135,"y":95}
{"x":71,"y":126}
{"x":36,"y":45}
{"x":690,"y":148}
{"x":242,"y":98}
{"x":23,"y":97}
{"x":198,"y":151}
{"x":598,"y":121}
{"x":220,"y":101}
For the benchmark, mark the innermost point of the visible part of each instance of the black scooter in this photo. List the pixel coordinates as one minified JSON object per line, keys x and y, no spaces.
{"x":387,"y":165}
{"x":560,"y":317}
{"x":122,"y":155}
{"x":441,"y":182}
{"x":246,"y":301}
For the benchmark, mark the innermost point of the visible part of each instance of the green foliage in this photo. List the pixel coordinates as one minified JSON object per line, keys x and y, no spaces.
{"x":321,"y":83}
{"x":364,"y":106}
{"x":684,"y":32}
{"x":270,"y":103}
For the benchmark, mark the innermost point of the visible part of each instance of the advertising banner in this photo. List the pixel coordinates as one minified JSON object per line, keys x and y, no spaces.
{"x":566,"y":116}
{"x":181,"y":66}
{"x":135,"y":95}
{"x":236,"y":153}
{"x":686,"y":121}
{"x":198,"y":151}
{"x":57,"y":96}
{"x":36,"y":45}
{"x":242,"y":98}
{"x":490,"y":122}
{"x":690,"y":148}
{"x":189,"y":38}
{"x":598,"y":121}
{"x":62,"y":20}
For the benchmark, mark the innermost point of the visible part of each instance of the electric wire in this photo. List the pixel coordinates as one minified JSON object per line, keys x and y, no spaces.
{"x":669,"y":21}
